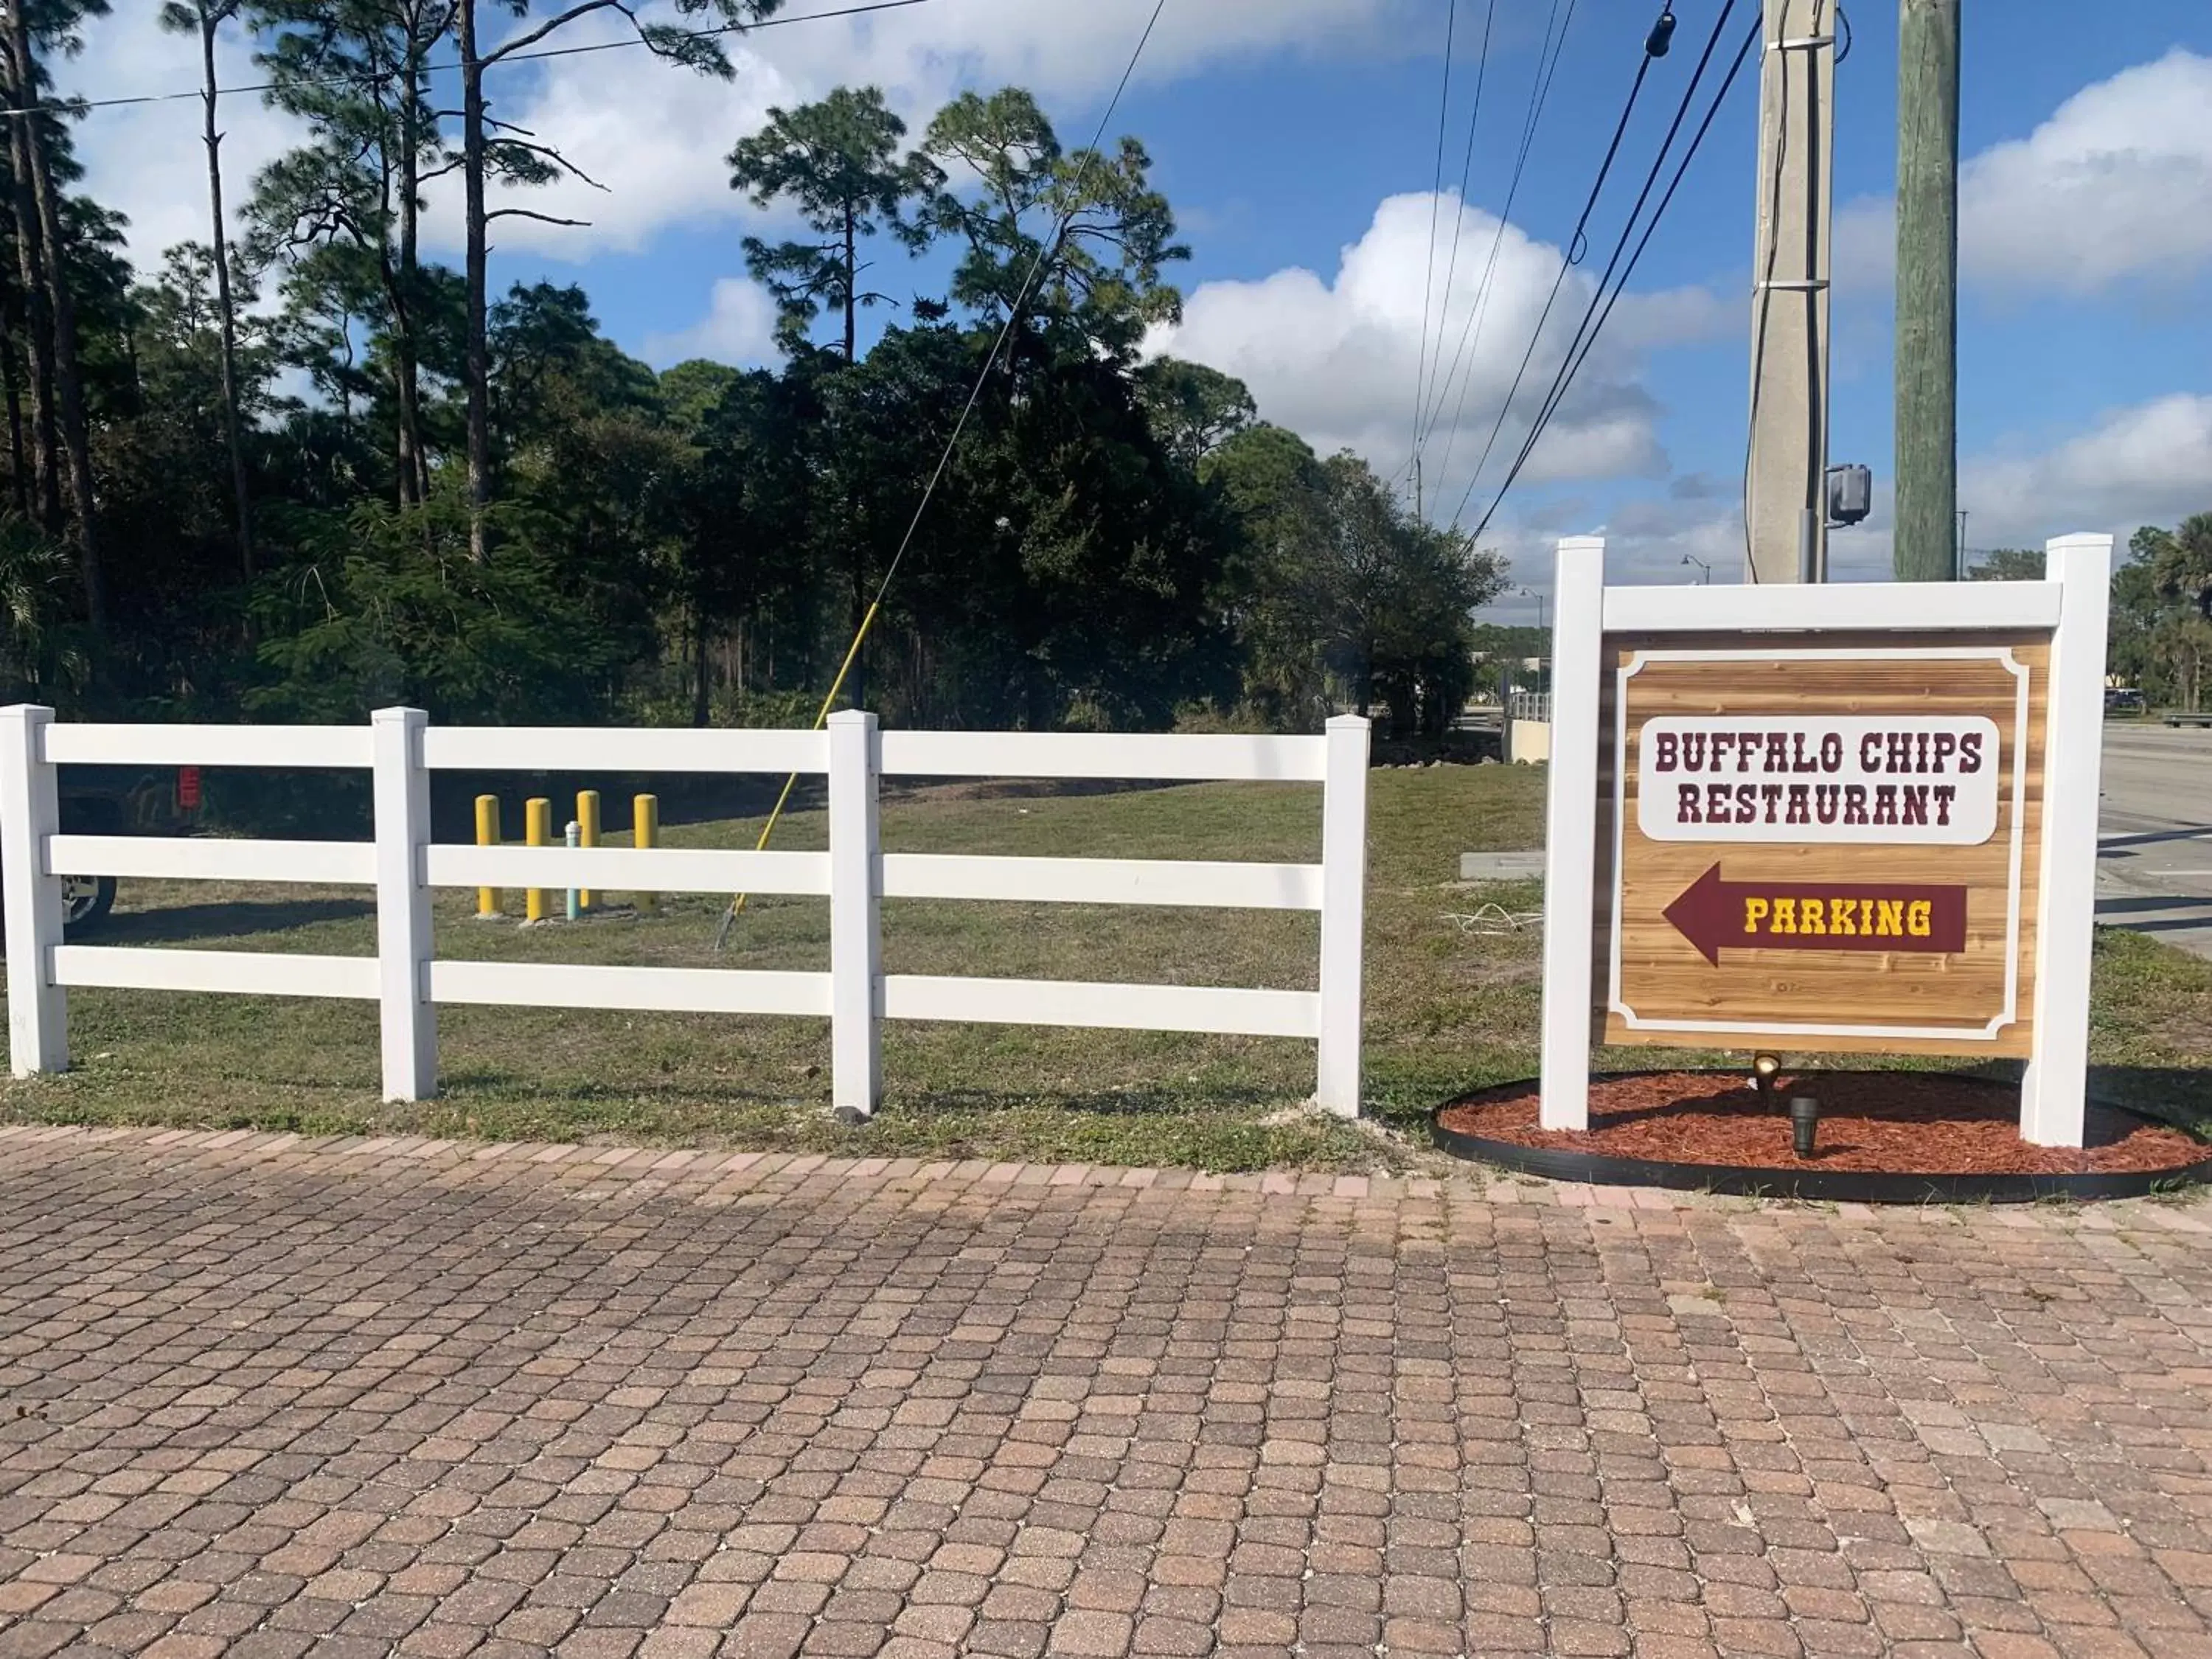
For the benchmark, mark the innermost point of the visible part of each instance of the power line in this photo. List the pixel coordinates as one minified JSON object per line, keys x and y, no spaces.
{"x":1539,"y":93}
{"x":1682,"y":168}
{"x":1584,"y":332}
{"x":1429,"y":276}
{"x":952,"y":443}
{"x":1459,"y":224}
{"x":81,"y":105}
{"x":1575,"y":249}
{"x":1635,"y":258}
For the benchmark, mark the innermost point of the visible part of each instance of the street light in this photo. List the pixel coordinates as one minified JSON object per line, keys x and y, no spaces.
{"x":1543,"y":654}
{"x":1692,"y":558}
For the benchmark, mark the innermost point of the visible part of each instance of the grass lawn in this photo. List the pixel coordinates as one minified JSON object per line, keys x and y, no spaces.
{"x":1451,"y":1004}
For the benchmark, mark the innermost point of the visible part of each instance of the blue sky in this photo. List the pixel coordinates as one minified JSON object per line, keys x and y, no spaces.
{"x":1297,"y":139}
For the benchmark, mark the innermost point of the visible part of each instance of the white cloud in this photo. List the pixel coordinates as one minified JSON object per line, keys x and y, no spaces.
{"x":1863,"y":247}
{"x":1066,"y":49}
{"x":2148,"y":464}
{"x":147,"y":160}
{"x":654,"y":135}
{"x":1337,"y":361}
{"x":1660,"y":540}
{"x":2115,"y":185}
{"x":738,"y":329}
{"x":651,"y":138}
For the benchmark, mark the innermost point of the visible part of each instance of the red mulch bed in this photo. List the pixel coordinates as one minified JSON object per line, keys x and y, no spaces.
{"x":1894,"y":1122}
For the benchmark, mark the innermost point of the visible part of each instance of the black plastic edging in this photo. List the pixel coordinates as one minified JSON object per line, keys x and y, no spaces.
{"x":1825,"y":1186}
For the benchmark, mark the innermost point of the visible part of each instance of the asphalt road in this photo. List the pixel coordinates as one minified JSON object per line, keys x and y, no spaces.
{"x":2154,"y":834}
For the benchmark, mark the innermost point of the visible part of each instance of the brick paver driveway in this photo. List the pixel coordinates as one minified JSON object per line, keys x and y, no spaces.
{"x":258,"y":1397}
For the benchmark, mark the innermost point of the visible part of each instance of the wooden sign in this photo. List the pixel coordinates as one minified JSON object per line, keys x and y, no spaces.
{"x":1824,"y":848}
{"x":1815,"y":819}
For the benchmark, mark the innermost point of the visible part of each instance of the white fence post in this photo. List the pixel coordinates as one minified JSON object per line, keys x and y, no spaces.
{"x":401,"y":790}
{"x":1343,"y":914}
{"x":1570,"y":832}
{"x":30,"y":811}
{"x":2054,"y":1091}
{"x":856,"y":1039}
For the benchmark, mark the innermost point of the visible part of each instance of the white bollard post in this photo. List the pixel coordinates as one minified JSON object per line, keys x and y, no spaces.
{"x":856,"y":1043}
{"x":408,"y":1020}
{"x":30,"y":811}
{"x":1343,"y":914}
{"x":2054,"y":1091}
{"x":1570,"y":832}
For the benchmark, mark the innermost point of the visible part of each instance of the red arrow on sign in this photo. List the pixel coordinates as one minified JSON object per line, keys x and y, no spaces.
{"x":1757,"y":915}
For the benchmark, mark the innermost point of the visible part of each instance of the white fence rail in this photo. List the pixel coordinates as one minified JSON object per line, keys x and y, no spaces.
{"x":1530,"y":706}
{"x":400,"y":749}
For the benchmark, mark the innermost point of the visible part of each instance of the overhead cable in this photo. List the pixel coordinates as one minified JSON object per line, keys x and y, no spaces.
{"x":1576,"y":246}
{"x":1459,"y":217}
{"x":1436,"y":198}
{"x":1689,"y":155}
{"x":79,"y":106}
{"x":1045,"y":247}
{"x":1548,"y":64}
{"x":1585,"y":330}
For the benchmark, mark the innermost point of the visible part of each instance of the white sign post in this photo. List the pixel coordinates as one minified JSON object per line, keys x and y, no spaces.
{"x":1824,"y":819}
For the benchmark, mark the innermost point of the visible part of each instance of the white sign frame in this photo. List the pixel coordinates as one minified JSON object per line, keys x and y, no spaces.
{"x":2072,"y":602}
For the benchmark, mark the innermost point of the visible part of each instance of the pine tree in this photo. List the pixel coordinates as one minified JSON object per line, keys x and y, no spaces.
{"x":837,"y":162}
{"x":359,"y":72}
{"x":206,"y":18}
{"x":44,"y":258}
{"x":487,"y":149}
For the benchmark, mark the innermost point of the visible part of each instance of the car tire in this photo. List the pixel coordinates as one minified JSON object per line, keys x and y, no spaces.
{"x":86,"y":902}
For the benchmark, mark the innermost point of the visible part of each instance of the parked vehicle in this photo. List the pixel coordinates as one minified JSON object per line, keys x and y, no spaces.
{"x":107,"y":800}
{"x":2122,"y":700}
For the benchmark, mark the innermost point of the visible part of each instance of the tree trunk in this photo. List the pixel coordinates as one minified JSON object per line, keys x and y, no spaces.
{"x":414,"y":466}
{"x":702,"y":686}
{"x":479,"y":346}
{"x":38,"y":332}
{"x":852,"y":283}
{"x":69,"y":384}
{"x":228,"y":316}
{"x":406,"y":390}
{"x":856,"y":684}
{"x":11,"y":373}
{"x":1036,"y":701}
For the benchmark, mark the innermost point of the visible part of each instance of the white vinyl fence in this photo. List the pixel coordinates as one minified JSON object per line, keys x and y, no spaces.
{"x":407,"y":981}
{"x":1531,"y":706}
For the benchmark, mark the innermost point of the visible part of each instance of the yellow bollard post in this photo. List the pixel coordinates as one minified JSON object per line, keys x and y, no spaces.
{"x":645,"y":811}
{"x":488,"y":835}
{"x":587,"y":835}
{"x":537,"y":831}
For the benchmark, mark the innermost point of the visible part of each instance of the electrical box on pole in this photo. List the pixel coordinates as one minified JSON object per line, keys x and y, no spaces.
{"x":1850,"y":495}
{"x":1785,"y":481}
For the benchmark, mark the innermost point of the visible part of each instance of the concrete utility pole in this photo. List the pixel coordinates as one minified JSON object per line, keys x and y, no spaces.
{"x":1786,"y":485}
{"x":1927,"y":287}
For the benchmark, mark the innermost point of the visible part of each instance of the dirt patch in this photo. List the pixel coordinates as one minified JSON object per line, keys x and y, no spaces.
{"x":1895,"y":1122}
